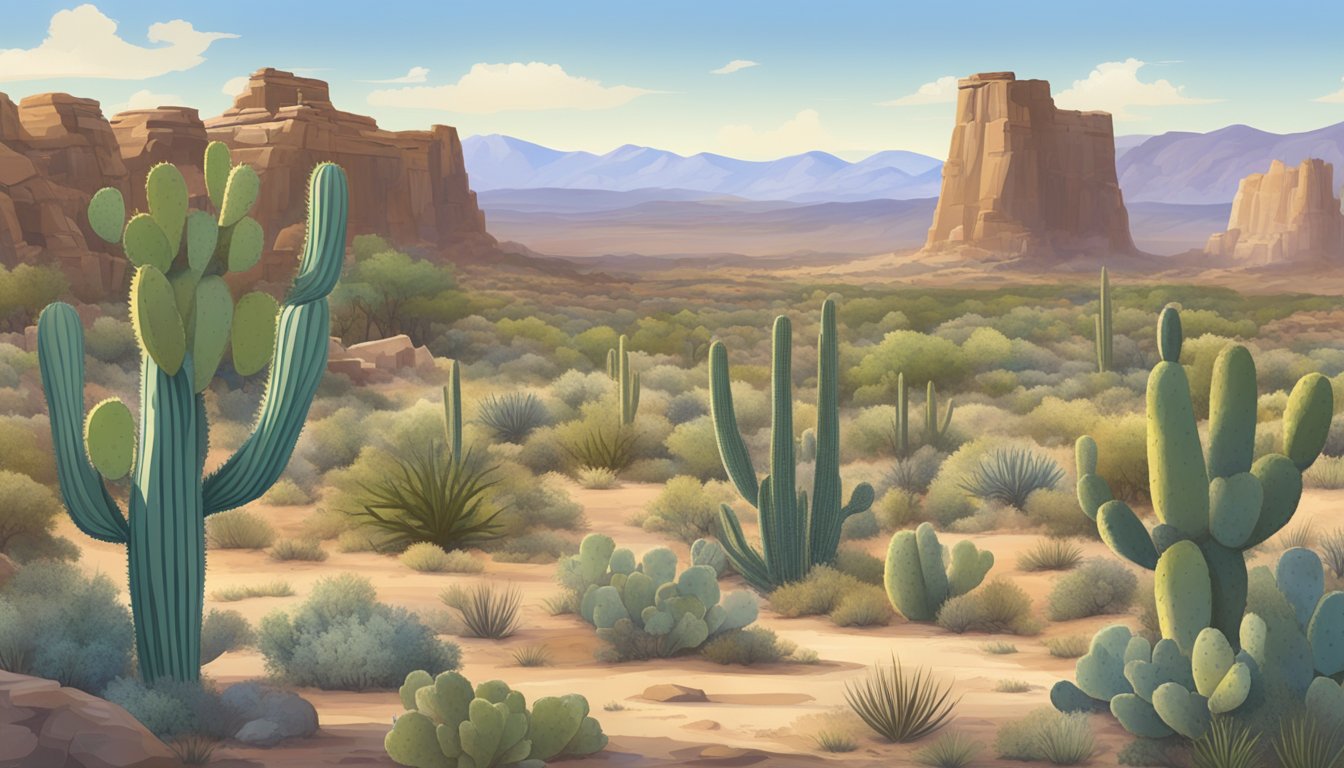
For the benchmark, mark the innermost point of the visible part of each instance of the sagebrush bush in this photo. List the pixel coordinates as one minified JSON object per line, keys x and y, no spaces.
{"x":864,"y":608}
{"x":1051,"y":555}
{"x":342,"y":638}
{"x":695,"y":448}
{"x":305,"y":550}
{"x":55,"y":623}
{"x":429,"y":558}
{"x":29,"y":514}
{"x":947,"y":501}
{"x":748,"y":646}
{"x":539,"y":547}
{"x":1327,"y":473}
{"x":860,"y":565}
{"x":861,"y":526}
{"x":686,"y":509}
{"x":597,"y":478}
{"x":916,"y":472}
{"x":286,"y":493}
{"x":819,"y":593}
{"x":224,"y":631}
{"x":1098,"y":587}
{"x":998,"y":607}
{"x":1043,"y":732}
{"x":897,"y":509}
{"x":238,"y":529}
{"x":1059,"y":513}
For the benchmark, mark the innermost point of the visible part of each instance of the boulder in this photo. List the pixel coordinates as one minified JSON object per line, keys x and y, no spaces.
{"x":673,"y":693}
{"x":1286,"y":215}
{"x":43,"y":725}
{"x":1024,"y":179}
{"x":270,"y":715}
{"x":390,"y":355}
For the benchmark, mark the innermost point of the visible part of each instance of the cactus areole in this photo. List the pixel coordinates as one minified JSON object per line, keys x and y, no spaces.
{"x":185,"y":319}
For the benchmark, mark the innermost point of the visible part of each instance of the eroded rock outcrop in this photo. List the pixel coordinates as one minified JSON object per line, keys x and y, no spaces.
{"x":1287,"y":215}
{"x":1024,"y":179}
{"x":378,"y":360}
{"x":56,"y":150}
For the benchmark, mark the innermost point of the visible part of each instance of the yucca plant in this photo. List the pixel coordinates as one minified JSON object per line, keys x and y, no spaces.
{"x":1009,"y":475}
{"x":488,"y":611}
{"x":951,"y":750}
{"x":1332,"y":549}
{"x":1227,"y":744}
{"x":1303,"y":536}
{"x":1051,"y":555}
{"x":1304,"y":743}
{"x":901,"y":707}
{"x":513,"y":416}
{"x":835,"y":741}
{"x":532,"y":656}
{"x":602,"y":450}
{"x":434,"y":499}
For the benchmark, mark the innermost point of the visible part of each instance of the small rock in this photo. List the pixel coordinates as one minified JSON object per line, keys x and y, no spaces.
{"x":260,"y":733}
{"x":270,"y":715}
{"x":718,"y":754}
{"x":670,"y":692}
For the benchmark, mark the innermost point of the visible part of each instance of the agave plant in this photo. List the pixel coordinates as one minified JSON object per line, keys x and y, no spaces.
{"x":432,"y":498}
{"x":1009,"y":475}
{"x":600,"y":450}
{"x":513,"y":416}
{"x":900,"y":706}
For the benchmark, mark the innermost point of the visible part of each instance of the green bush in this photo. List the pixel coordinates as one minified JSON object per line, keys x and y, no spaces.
{"x":597,"y":478}
{"x":998,"y":607}
{"x":55,"y":623}
{"x":1098,"y":587}
{"x":286,"y":493}
{"x":238,"y":529}
{"x":1046,"y":735}
{"x":864,"y":608}
{"x":537,"y":547}
{"x":110,"y":340}
{"x":1059,"y":512}
{"x":429,"y":558}
{"x":342,"y":638}
{"x":334,"y":441}
{"x":224,"y":631}
{"x":170,"y":709}
{"x":513,"y":416}
{"x":897,"y":509}
{"x":305,"y":550}
{"x":947,"y":500}
{"x":695,"y":448}
{"x":747,"y":646}
{"x":861,"y":526}
{"x":1122,"y":454}
{"x":817,"y":594}
{"x":860,"y":565}
{"x":686,"y":509}
{"x":1011,"y":474}
{"x":916,"y":472}
{"x":29,"y":514}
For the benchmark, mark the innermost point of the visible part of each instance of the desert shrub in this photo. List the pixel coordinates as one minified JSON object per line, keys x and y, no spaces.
{"x":536,"y":547}
{"x":747,"y":646}
{"x":1060,"y":422}
{"x":696,"y":449}
{"x":921,"y":357}
{"x":305,"y":550}
{"x":991,"y":516}
{"x":1122,"y":454}
{"x":835,"y":741}
{"x":1098,"y":587}
{"x":686,"y":509}
{"x":819,"y":593}
{"x":686,"y":407}
{"x":950,"y":750}
{"x":334,"y":441}
{"x":171,"y":709}
{"x":1051,"y":555}
{"x":897,"y":509}
{"x":55,"y":623}
{"x":238,"y":529}
{"x":1327,"y":473}
{"x":1332,"y":552}
{"x":1046,"y":735}
{"x":1009,"y":475}
{"x":575,"y":389}
{"x":286,"y":493}
{"x":1229,"y":744}
{"x":430,"y":497}
{"x":597,"y":478}
{"x":512,"y":417}
{"x":224,"y":631}
{"x":1067,"y":647}
{"x":898,"y":705}
{"x":947,"y":501}
{"x":247,"y":591}
{"x":605,"y":447}
{"x":1059,"y":512}
{"x":109,"y":339}
{"x":861,"y":526}
{"x":999,"y":606}
{"x":916,"y":472}
{"x":1304,"y":740}
{"x":28,"y":448}
{"x":860,"y":565}
{"x":325,"y":525}
{"x":428,"y":558}
{"x":528,"y":503}
{"x":342,"y":638}
{"x":488,"y":611}
{"x":864,"y":608}
{"x":30,"y":512}
{"x":999,"y":648}
{"x":1012,"y":686}
{"x":532,"y":656}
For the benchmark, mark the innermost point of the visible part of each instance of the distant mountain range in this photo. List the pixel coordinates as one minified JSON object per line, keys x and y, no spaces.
{"x":502,"y":162}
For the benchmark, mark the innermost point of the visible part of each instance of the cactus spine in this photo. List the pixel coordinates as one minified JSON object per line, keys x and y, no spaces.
{"x":1103,"y":334}
{"x":795,"y":534}
{"x":627,"y":381}
{"x":180,"y":347}
{"x":1209,"y":512}
{"x":935,"y":433}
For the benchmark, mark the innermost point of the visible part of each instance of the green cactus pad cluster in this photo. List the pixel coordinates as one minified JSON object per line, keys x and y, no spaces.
{"x":709,"y":552}
{"x":918,"y":577}
{"x":448,"y":723}
{"x":627,"y":381}
{"x":109,"y":438}
{"x":184,"y":318}
{"x":1210,"y":508}
{"x":676,"y":612}
{"x":796,"y":534}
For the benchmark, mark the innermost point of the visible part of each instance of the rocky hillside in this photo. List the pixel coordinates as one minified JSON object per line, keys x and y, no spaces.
{"x":56,"y":150}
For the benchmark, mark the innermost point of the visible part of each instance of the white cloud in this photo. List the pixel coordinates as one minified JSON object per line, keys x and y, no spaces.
{"x":801,"y":133}
{"x":735,"y":65}
{"x":516,"y":87}
{"x":147,"y":99}
{"x":940,"y":91}
{"x":414,"y":75}
{"x":1115,"y":87}
{"x":84,"y":43}
{"x":234,"y":85}
{"x":1332,"y":98}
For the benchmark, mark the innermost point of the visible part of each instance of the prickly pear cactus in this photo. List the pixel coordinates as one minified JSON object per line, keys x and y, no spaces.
{"x":186,"y":322}
{"x":918,"y":578}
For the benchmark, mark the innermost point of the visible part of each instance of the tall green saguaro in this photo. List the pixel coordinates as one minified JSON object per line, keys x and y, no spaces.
{"x":1212,"y":509}
{"x":185,"y":320}
{"x":627,"y":381}
{"x":1103,"y":332}
{"x":795,"y":534}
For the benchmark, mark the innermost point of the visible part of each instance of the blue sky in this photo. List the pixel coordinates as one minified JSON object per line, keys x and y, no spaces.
{"x":851,"y":78}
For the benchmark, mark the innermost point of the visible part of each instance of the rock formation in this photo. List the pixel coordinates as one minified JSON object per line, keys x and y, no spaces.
{"x":1288,"y":215}
{"x":1024,"y":179}
{"x":56,"y":150}
{"x":377,"y":360}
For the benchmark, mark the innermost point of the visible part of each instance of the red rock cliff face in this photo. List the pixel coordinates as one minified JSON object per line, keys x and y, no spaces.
{"x":410,"y":186}
{"x":1287,"y":215}
{"x":56,"y":150}
{"x":1024,"y":179}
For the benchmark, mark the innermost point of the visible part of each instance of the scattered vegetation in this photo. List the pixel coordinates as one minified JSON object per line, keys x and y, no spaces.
{"x":247,"y":591}
{"x":532,"y":656}
{"x":238,"y":529}
{"x":1067,"y":647}
{"x":835,"y":741}
{"x":745,"y":647}
{"x":489,"y":611}
{"x":949,"y":750}
{"x":304,"y":550}
{"x":597,"y":478}
{"x":1046,"y":735}
{"x":430,"y":558}
{"x":1098,"y":587}
{"x":1000,"y":607}
{"x":1051,"y":555}
{"x":999,"y":648}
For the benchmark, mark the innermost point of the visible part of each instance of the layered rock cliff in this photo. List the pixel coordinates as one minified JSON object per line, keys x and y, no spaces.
{"x":1287,"y":215}
{"x":1024,"y":179}
{"x":56,"y":150}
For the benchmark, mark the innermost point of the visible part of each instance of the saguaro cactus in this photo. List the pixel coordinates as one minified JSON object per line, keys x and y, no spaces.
{"x":452,"y":412}
{"x":935,"y":432}
{"x":1209,"y":513}
{"x":184,"y":319}
{"x":795,"y":534}
{"x":627,"y":381}
{"x":1102,"y":335}
{"x":900,"y":440}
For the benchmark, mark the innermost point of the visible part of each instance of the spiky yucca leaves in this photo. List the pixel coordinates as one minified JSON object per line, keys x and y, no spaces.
{"x":513,"y":416}
{"x":1009,"y":475}
{"x":901,"y":706}
{"x":186,"y":321}
{"x":796,"y":533}
{"x":432,"y":498}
